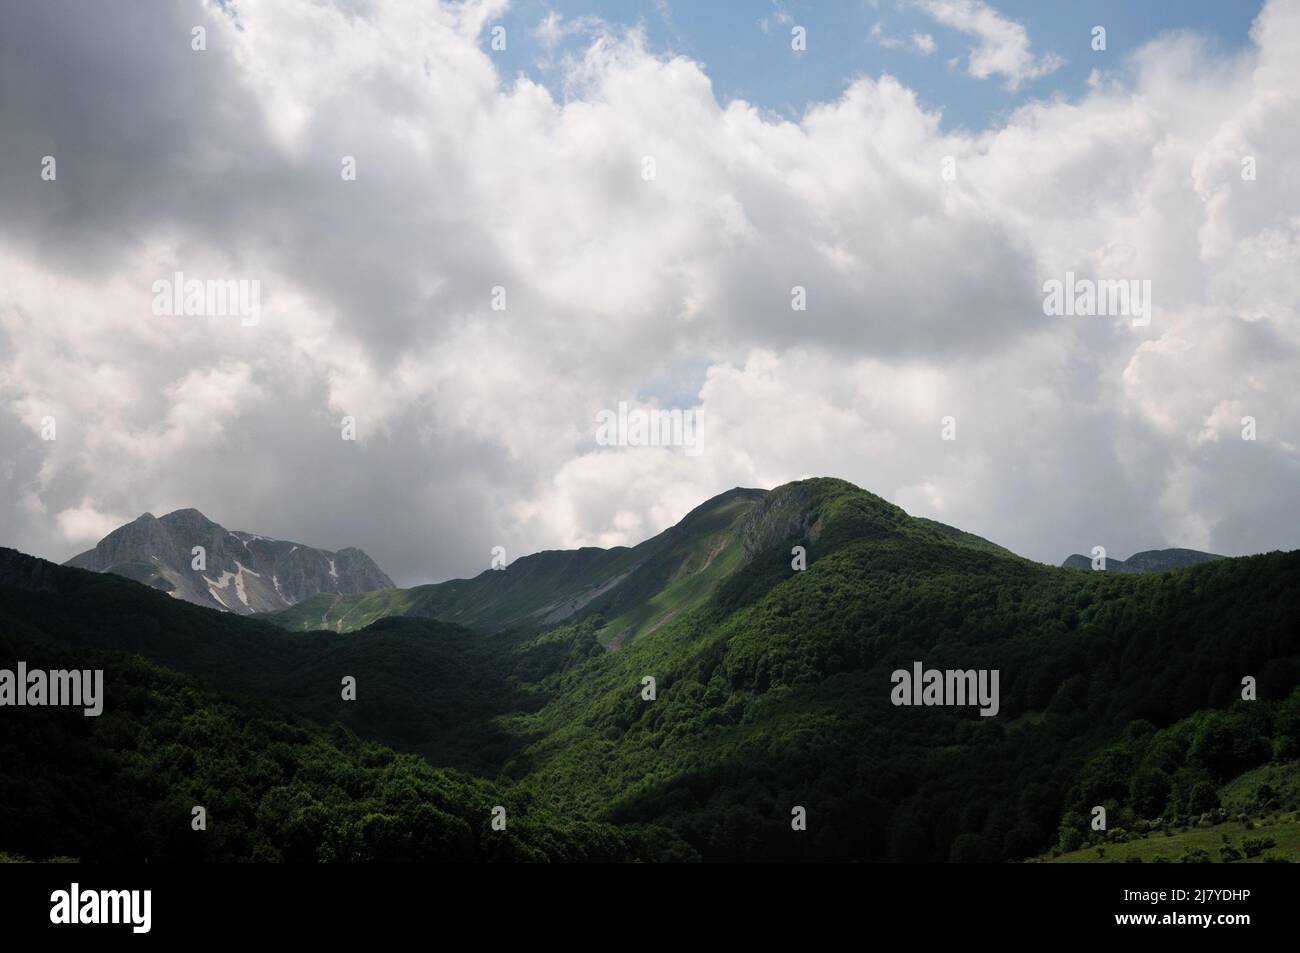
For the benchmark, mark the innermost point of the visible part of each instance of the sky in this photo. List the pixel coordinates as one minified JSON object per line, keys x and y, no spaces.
{"x":1034,"y":49}
{"x":506,"y":265}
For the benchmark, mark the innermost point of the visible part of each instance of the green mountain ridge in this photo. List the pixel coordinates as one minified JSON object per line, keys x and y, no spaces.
{"x":773,"y":686}
{"x":552,"y":586}
{"x":1151,"y":560}
{"x":635,"y":589}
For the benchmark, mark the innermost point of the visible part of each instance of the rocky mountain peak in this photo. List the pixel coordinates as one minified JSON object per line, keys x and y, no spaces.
{"x":190,"y":557}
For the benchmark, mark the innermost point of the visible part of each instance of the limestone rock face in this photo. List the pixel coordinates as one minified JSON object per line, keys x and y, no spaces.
{"x":244,"y":573}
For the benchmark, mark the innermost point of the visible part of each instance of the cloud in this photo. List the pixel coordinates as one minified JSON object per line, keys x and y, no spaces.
{"x":779,"y":17}
{"x":553,"y":29}
{"x":922,"y":43}
{"x":884,"y":39}
{"x":1003,"y":47}
{"x":85,"y":526}
{"x":476,"y":427}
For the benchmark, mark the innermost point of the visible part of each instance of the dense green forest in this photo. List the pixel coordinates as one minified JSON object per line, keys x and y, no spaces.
{"x":781,"y":699}
{"x":276,"y":787}
{"x":773,"y":692}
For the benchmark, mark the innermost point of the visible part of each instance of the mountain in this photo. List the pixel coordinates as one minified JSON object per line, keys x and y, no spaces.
{"x":243,"y":573}
{"x":633,"y":590}
{"x":1152,"y":560}
{"x":776,"y":692}
{"x":426,"y":686}
{"x":774,"y":689}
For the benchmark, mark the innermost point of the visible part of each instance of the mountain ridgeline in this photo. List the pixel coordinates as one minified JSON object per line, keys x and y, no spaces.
{"x":1152,"y":560}
{"x":633,"y":590}
{"x":240,"y":572}
{"x":770,"y":625}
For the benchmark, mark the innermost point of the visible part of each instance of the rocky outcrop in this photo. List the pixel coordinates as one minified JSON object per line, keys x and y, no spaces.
{"x":236,"y":571}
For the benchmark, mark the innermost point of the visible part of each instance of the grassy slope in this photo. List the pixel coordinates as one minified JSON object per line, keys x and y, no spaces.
{"x":1284,"y":830}
{"x":633,"y":587}
{"x":605,"y":752}
{"x":1246,"y":814}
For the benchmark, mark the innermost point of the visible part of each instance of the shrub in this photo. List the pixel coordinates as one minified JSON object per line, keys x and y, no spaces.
{"x":1254,"y":846}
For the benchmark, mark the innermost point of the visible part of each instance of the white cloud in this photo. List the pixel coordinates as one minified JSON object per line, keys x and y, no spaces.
{"x":553,"y":29}
{"x":1003,"y":47}
{"x":83,"y":525}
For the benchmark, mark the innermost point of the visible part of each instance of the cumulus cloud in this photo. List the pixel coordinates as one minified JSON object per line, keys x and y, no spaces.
{"x":921,"y":254}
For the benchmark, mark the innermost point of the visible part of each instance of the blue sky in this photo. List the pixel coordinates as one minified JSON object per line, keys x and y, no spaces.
{"x":745,"y":61}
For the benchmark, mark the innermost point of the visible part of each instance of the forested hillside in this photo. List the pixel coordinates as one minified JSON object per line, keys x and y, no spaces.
{"x":777,"y":693}
{"x":276,"y":787}
{"x":772,"y":691}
